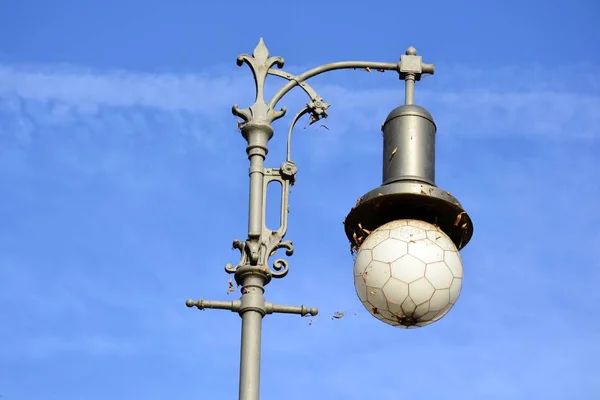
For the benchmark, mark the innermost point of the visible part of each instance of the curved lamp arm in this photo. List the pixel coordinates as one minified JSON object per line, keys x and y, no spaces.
{"x":305,"y":110}
{"x":298,"y":80}
{"x":410,"y":68}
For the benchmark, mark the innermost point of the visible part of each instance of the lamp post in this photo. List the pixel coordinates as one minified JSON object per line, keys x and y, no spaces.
{"x":405,"y":234}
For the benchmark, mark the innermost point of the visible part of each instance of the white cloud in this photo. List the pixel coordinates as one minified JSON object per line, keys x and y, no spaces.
{"x":88,"y":89}
{"x":468,"y":102}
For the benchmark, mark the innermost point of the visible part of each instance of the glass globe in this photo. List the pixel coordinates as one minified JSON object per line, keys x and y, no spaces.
{"x":408,"y":273}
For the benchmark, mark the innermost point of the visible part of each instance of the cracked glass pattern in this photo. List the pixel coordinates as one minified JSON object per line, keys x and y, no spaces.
{"x":408,"y":273}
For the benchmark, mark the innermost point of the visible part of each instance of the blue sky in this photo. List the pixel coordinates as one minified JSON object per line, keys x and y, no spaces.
{"x":123,"y":181}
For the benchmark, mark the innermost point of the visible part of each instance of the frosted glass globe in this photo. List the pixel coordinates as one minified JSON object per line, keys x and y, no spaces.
{"x":408,"y":273}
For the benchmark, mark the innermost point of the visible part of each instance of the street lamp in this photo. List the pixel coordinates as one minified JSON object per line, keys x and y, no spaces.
{"x":405,"y":234}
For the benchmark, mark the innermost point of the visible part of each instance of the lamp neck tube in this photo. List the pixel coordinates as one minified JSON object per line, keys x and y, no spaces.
{"x":409,"y":145}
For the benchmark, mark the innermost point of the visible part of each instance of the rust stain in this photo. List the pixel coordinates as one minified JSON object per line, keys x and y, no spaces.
{"x":363,"y":229}
{"x":459,"y":218}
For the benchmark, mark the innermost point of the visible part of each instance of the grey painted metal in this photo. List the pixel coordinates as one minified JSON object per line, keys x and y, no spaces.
{"x":409,"y":145}
{"x":408,"y":200}
{"x":252,"y":312}
{"x":408,"y":190}
{"x":253,"y":272}
{"x":235,"y":305}
{"x":299,"y":115}
{"x":411,"y":68}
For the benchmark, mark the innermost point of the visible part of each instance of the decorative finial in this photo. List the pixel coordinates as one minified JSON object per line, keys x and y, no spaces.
{"x":411,"y":51}
{"x":259,"y":63}
{"x":260,"y":51}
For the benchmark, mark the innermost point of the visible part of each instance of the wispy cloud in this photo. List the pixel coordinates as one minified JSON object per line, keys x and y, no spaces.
{"x":88,"y":89}
{"x":533,"y":102}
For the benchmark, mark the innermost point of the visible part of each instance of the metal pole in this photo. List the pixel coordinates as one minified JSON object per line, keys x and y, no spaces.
{"x":409,"y":90}
{"x":253,"y":306}
{"x":250,"y":356}
{"x":249,"y":388}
